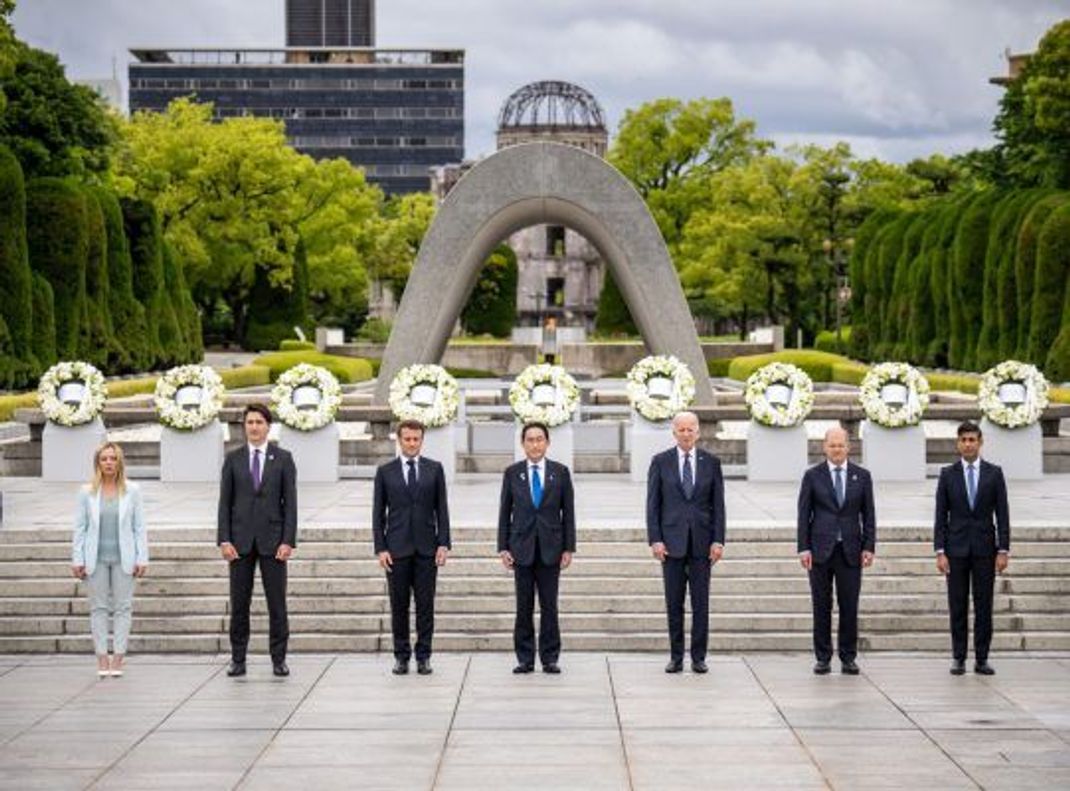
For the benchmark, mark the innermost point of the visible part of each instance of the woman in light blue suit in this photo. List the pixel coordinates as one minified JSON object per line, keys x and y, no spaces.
{"x":109,"y":550}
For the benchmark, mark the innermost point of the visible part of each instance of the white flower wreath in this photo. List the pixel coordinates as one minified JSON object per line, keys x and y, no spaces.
{"x":793,"y":399}
{"x":306,"y":397}
{"x":544,"y":394}
{"x":659,"y":386}
{"x":72,"y":393}
{"x":894,"y":395}
{"x":189,"y":397}
{"x":426,"y":393}
{"x":1013,"y":394}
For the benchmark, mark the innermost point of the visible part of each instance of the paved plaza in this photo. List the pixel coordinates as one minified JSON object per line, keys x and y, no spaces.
{"x":608,"y":722}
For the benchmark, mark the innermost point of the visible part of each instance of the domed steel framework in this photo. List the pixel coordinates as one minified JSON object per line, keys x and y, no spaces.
{"x":552,"y":104}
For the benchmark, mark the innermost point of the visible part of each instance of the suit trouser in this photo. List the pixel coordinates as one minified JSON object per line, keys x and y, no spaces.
{"x":111,"y":592}
{"x":848,"y":580}
{"x":273,"y":577}
{"x":980,"y":570}
{"x":543,"y":579}
{"x":679,"y":574}
{"x":412,"y":577}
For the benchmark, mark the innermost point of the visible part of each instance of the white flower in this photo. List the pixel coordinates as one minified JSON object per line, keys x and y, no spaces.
{"x":180,"y":417}
{"x":566,"y":395}
{"x":1013,"y":415}
{"x":893,"y":415}
{"x":305,"y":375}
{"x":777,"y":415}
{"x":660,"y":366}
{"x":447,"y":396}
{"x":94,"y":395}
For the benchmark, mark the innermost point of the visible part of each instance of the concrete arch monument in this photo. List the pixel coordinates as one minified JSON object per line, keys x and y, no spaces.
{"x":530,"y":184}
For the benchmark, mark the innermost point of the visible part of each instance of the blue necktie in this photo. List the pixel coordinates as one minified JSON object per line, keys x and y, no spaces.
{"x":971,"y":485}
{"x":840,"y":494}
{"x":687,"y":477}
{"x":536,"y":486}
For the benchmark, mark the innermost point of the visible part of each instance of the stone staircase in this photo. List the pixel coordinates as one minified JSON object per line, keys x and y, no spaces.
{"x":611,"y":598}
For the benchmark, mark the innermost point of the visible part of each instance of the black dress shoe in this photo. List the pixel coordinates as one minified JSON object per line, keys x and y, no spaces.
{"x":423,"y":667}
{"x":958,"y":667}
{"x":675,"y":666}
{"x":280,"y":669}
{"x":984,"y":669}
{"x":523,"y":668}
{"x":849,"y":667}
{"x":401,"y":667}
{"x":700,"y":667}
{"x":551,"y":667}
{"x":236,"y":669}
{"x":822,"y":669}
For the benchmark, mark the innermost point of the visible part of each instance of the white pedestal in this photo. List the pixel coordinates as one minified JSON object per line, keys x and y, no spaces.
{"x":893,"y":454}
{"x":1019,"y":451}
{"x":67,"y":452}
{"x":440,"y":444}
{"x":562,"y":444}
{"x":776,"y":454}
{"x":316,"y":453}
{"x":645,"y":440}
{"x":192,"y":456}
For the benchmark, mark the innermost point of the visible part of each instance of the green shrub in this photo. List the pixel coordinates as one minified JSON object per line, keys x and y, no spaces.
{"x":817,"y":364}
{"x":44,"y":323}
{"x":251,"y":375}
{"x":127,"y":314}
{"x":967,"y":279}
{"x":860,"y":296}
{"x":374,"y":330}
{"x":142,"y":226}
{"x":16,"y":277}
{"x":491,"y":307}
{"x":58,"y":244}
{"x":274,"y":311}
{"x":849,"y":372}
{"x":348,"y":369}
{"x":827,"y":341}
{"x":9,"y":403}
{"x":98,"y":344}
{"x":613,"y":317}
{"x":294,"y":345}
{"x":718,"y":366}
{"x":173,"y":324}
{"x":1049,"y":288}
{"x":1025,"y":263}
{"x":468,"y":373}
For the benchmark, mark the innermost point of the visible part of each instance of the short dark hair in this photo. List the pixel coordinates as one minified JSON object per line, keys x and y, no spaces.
{"x":969,"y":427}
{"x":259,"y":409}
{"x":412,"y":425}
{"x":541,"y":426}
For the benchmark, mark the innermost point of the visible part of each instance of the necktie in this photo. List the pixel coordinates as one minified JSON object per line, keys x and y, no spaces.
{"x":840,"y":494}
{"x":536,"y":486}
{"x":971,"y":484}
{"x":256,"y":469}
{"x":410,"y":479}
{"x":687,"y":477}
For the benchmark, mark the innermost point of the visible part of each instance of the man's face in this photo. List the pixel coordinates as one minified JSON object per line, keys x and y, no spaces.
{"x":685,"y":432}
{"x":256,"y":428}
{"x":836,"y":447}
{"x":969,"y":446}
{"x":411,"y":442}
{"x":535,"y":444}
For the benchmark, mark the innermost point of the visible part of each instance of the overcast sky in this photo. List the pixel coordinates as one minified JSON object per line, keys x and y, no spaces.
{"x":895,"y":78}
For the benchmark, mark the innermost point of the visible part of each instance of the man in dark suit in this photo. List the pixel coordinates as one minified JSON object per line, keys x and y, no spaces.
{"x":837,"y":538}
{"x":536,"y":540}
{"x":257,"y":524}
{"x":972,"y":539}
{"x":411,"y":530}
{"x":685,"y":525}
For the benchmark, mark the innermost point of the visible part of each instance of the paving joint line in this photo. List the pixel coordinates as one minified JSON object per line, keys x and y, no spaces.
{"x":449,"y":728}
{"x":49,"y":713}
{"x":620,"y":725}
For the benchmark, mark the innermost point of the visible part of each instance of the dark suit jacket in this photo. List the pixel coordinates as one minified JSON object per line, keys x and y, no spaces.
{"x":961,"y":531}
{"x":822,"y":520}
{"x":553,"y":522}
{"x":267,"y":517}
{"x":671,"y":517}
{"x":408,"y":522}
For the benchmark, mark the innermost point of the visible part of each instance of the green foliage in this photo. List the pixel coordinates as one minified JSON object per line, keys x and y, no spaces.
{"x":349,"y":370}
{"x":967,"y":279}
{"x":998,"y":317}
{"x":53,"y":127}
{"x":275,"y":310}
{"x":9,"y":403}
{"x":374,"y":330}
{"x":862,"y":328}
{"x":291,"y":345}
{"x":718,"y":366}
{"x":173,"y":324}
{"x":16,"y":277}
{"x":58,"y":241}
{"x":1026,"y":267}
{"x":98,"y":345}
{"x":901,"y":307}
{"x":44,"y":322}
{"x":817,"y":364}
{"x":142,"y":226}
{"x":827,"y":341}
{"x":491,"y":308}
{"x":1050,"y":290}
{"x":613,"y":317}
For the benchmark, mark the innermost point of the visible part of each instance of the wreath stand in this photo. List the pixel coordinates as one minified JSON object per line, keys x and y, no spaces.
{"x":893,"y":454}
{"x":192,"y":456}
{"x":67,"y":451}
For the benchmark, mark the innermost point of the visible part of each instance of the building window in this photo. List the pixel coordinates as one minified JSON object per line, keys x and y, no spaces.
{"x":555,"y":240}
{"x":555,"y":292}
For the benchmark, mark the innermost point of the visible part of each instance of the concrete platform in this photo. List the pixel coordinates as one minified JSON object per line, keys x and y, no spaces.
{"x":613,"y":721}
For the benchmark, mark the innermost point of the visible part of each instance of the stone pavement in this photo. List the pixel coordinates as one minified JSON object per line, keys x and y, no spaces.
{"x":608,"y":722}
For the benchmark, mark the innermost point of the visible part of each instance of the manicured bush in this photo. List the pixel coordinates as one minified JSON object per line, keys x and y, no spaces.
{"x":44,"y":323}
{"x":861,"y":337}
{"x":348,"y":369}
{"x":827,"y":341}
{"x":374,"y":330}
{"x":1050,"y":287}
{"x":173,"y":329}
{"x":817,"y":364}
{"x":491,"y":307}
{"x":849,"y":372}
{"x":98,"y":344}
{"x":967,"y":279}
{"x":58,"y":243}
{"x":1026,"y":266}
{"x":9,"y":403}
{"x":16,"y":277}
{"x":718,"y":366}
{"x":613,"y":317}
{"x":1006,"y":307}
{"x":900,"y":302}
{"x":291,"y":345}
{"x":889,"y":250}
{"x":274,"y":311}
{"x":142,"y":226}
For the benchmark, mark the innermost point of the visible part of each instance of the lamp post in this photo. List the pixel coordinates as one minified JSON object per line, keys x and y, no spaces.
{"x":836,"y":255}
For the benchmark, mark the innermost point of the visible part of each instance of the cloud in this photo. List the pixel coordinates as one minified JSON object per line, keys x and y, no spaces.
{"x":902,"y":79}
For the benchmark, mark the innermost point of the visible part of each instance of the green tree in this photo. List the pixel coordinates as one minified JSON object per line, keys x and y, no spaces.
{"x":44,"y":322}
{"x":174,"y":331}
{"x":967,"y":279}
{"x":142,"y":227}
{"x":491,"y":307}
{"x":1050,"y":286}
{"x":1026,"y":267}
{"x":8,"y":43}
{"x":276,"y":310}
{"x":16,"y":279}
{"x":99,"y":345}
{"x":392,"y":241}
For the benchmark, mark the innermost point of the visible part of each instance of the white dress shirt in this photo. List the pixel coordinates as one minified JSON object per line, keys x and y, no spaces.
{"x":415,"y":469}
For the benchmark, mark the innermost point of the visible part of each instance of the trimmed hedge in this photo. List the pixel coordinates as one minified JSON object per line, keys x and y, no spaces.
{"x":817,"y":364}
{"x":1026,"y":266}
{"x":491,"y":307}
{"x":142,"y":226}
{"x":348,"y":369}
{"x":718,"y":366}
{"x":275,"y":311}
{"x":826,"y":341}
{"x":293,"y":345}
{"x":16,"y":277}
{"x":1049,"y":296}
{"x":99,"y":345}
{"x":613,"y":316}
{"x":127,"y":314}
